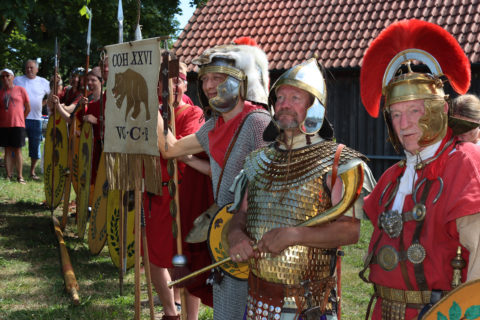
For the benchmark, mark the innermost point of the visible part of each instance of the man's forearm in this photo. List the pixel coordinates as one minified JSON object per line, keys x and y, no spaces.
{"x":343,"y":231}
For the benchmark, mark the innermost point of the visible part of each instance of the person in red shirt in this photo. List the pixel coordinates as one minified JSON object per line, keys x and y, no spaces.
{"x":14,"y":108}
{"x":424,"y":209}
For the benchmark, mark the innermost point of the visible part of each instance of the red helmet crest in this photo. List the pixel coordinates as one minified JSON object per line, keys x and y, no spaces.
{"x":411,"y":34}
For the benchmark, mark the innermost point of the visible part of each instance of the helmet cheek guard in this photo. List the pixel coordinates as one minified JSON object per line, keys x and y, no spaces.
{"x":246,"y":67}
{"x":433,"y":123}
{"x":314,"y":118}
{"x":228,"y":93}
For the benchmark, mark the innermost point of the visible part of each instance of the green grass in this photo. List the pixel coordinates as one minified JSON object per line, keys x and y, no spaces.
{"x":31,"y":282}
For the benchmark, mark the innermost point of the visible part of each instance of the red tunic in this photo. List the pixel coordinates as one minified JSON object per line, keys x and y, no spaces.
{"x":68,"y":96}
{"x":93,"y":108}
{"x":13,"y":116}
{"x":195,"y":197}
{"x":439,"y":236}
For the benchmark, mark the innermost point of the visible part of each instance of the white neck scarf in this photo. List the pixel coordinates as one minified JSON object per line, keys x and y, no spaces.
{"x":410,"y":176}
{"x":299,"y":141}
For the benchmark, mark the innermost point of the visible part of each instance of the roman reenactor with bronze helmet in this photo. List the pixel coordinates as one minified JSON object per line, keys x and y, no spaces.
{"x":286,"y":194}
{"x":425,"y":208}
{"x":233,"y":82}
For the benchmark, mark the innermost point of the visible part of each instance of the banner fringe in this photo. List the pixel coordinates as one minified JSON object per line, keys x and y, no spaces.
{"x":123,"y":173}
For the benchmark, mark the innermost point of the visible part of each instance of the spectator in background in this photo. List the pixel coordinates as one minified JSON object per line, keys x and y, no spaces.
{"x":14,"y":108}
{"x":465,"y":118}
{"x":37,"y":89}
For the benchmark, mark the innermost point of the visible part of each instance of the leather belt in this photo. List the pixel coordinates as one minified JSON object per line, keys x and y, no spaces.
{"x":317,"y":286}
{"x":404,"y":296}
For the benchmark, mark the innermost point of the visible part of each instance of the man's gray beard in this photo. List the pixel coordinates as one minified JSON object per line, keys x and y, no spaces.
{"x":285,"y":126}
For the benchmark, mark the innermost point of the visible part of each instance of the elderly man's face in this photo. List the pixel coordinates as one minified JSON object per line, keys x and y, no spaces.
{"x":405,"y":116}
{"x":291,"y":106}
{"x":472,"y":136}
{"x":31,"y":70}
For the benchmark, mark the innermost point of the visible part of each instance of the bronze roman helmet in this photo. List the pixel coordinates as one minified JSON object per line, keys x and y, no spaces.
{"x":416,"y":58}
{"x":308,"y":77}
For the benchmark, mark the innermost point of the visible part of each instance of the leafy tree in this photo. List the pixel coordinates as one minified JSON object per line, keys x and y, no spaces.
{"x":198,"y":3}
{"x":29,"y":28}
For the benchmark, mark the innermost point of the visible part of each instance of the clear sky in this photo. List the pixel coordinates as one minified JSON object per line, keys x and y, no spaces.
{"x":187,"y":13}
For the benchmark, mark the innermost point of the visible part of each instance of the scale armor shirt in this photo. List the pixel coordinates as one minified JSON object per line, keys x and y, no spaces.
{"x":286,"y":189}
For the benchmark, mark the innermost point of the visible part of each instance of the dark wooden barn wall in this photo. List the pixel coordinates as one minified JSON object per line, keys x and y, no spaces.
{"x":353,"y":125}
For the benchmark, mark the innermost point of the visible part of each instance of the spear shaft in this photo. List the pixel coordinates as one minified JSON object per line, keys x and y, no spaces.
{"x":54,"y":135}
{"x":120,"y":21}
{"x":87,"y":64}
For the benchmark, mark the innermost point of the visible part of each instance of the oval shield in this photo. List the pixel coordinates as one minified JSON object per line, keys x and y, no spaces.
{"x":56,"y":158}
{"x":97,"y":229}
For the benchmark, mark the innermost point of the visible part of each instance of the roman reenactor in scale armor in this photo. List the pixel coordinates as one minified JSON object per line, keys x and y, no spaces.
{"x":290,"y":182}
{"x":233,"y":81}
{"x":425,"y":208}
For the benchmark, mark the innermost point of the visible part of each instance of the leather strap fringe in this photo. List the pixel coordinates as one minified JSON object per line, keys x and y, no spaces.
{"x":122,"y":173}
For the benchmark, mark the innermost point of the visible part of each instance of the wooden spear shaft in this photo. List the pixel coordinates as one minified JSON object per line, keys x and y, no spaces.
{"x":138,"y":203}
{"x":177,"y":219}
{"x":71,"y":284}
{"x":54,"y":135}
{"x":68,"y":178}
{"x":146,"y":264}
{"x":123,"y":226}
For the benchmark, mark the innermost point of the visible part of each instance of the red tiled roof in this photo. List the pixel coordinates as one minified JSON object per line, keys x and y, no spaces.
{"x":337,"y":31}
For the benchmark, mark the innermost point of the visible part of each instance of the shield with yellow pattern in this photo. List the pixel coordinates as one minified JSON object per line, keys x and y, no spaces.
{"x":85,"y":173}
{"x":56,"y":159}
{"x":77,"y":130}
{"x":97,"y":229}
{"x":218,"y":244}
{"x":114,"y":218}
{"x":462,"y":302}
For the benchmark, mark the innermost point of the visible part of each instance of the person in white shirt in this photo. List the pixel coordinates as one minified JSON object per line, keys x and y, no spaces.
{"x":37,"y":89}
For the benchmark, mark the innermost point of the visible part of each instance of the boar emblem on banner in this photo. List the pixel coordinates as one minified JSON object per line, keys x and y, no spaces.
{"x":132,"y":85}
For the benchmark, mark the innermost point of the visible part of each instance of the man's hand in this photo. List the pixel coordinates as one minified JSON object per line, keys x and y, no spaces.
{"x":84,"y":101}
{"x":53,"y":100}
{"x":277,"y":240}
{"x":90,"y":118}
{"x":241,"y":246}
